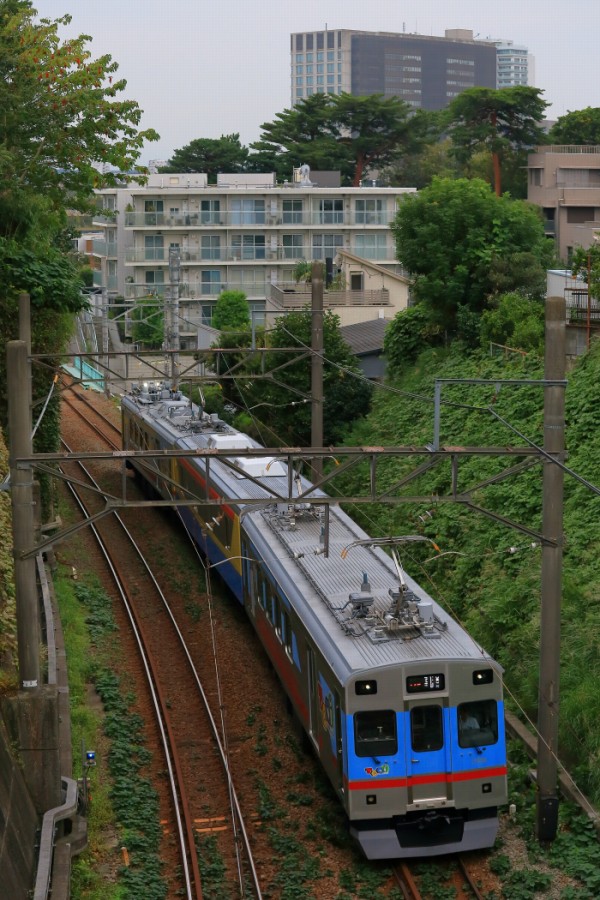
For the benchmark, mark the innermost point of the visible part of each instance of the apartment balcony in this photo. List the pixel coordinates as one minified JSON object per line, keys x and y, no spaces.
{"x":100,"y":219}
{"x":108,"y":281}
{"x":236,"y":219}
{"x":195,"y":290}
{"x":215,"y":254}
{"x":104,"y":248}
{"x":290,"y":296}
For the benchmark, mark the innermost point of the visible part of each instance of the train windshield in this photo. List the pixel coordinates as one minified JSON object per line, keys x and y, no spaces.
{"x":375,"y":733}
{"x":477,"y":723}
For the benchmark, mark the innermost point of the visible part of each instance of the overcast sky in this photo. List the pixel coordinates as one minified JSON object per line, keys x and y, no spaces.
{"x":201,"y":69}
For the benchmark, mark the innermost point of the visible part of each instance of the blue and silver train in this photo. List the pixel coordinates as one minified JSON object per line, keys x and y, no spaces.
{"x":404,"y":710}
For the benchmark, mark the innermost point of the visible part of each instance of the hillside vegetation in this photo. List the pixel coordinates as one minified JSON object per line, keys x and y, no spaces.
{"x":488,"y":575}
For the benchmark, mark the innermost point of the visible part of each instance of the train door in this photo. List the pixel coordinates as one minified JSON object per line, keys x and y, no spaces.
{"x":339,"y":742}
{"x":250,"y":579}
{"x":427,"y":752}
{"x":313,"y":712}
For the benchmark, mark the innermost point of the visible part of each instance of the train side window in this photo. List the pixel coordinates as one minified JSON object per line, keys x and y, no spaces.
{"x":426,"y":730}
{"x":286,"y":628}
{"x":277,"y":616}
{"x":375,"y":733}
{"x":477,"y":723}
{"x":262,"y":591}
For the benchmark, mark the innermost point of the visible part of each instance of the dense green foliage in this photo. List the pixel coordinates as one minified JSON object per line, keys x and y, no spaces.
{"x":581,"y":126}
{"x":331,"y":131}
{"x":210,"y":155}
{"x":232,"y":312}
{"x":60,"y":115}
{"x":277,"y":410}
{"x":463,"y":244}
{"x":503,"y":121}
{"x":585,"y":264}
{"x":488,"y":575}
{"x":515,"y":321}
{"x":148,"y":322}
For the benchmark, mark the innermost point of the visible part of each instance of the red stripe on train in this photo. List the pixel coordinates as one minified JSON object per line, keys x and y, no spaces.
{"x":438,"y":778}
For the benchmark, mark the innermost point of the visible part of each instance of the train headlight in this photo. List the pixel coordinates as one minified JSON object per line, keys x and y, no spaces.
{"x":365,"y":687}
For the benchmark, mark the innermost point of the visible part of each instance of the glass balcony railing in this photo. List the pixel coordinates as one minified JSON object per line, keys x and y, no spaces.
{"x":267,"y":219}
{"x":104,"y":248}
{"x":205,"y":255}
{"x":194,"y":290}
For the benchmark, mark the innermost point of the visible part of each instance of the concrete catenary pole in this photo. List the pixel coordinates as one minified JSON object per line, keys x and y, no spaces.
{"x":21,"y":489}
{"x":317,"y":364}
{"x":552,"y":529}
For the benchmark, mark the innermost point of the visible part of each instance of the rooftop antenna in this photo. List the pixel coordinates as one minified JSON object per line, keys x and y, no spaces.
{"x":404,"y":27}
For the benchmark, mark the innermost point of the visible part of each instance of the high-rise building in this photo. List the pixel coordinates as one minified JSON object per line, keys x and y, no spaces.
{"x":424,"y":71}
{"x":514,"y":65}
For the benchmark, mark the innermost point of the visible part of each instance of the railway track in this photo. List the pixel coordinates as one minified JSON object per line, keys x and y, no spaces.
{"x":458,"y":873}
{"x":202,"y":793}
{"x":75,"y":398}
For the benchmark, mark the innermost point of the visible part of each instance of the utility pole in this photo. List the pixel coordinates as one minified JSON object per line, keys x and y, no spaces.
{"x":21,"y":488}
{"x":317,"y":364}
{"x":173,"y":342}
{"x":552,"y":553}
{"x":105,"y":346}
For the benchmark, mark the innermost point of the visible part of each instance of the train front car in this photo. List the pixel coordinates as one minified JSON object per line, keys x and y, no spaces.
{"x":404,"y":709}
{"x":426,"y":758}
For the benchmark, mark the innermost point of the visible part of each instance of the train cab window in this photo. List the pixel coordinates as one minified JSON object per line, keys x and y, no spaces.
{"x":426,"y":729}
{"x":477,"y":723}
{"x":375,"y":733}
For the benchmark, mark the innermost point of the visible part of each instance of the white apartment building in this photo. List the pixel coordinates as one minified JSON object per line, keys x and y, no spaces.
{"x":514,"y":65}
{"x":244,"y":233}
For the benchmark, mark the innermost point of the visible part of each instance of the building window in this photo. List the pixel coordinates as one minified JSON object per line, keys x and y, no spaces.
{"x":293,"y":246}
{"x":250,"y":279}
{"x":247,"y":211}
{"x":330,"y":212}
{"x":248,"y":246}
{"x":299,"y":92}
{"x":299,"y":70}
{"x":320,"y":79}
{"x":154,"y":278}
{"x":292,"y":212}
{"x":535,"y":177}
{"x":320,"y":41}
{"x":154,"y":247}
{"x":319,"y":57}
{"x":309,"y":79}
{"x":371,"y":246}
{"x":371,"y":211}
{"x":299,"y":82}
{"x":210,"y":281}
{"x":578,"y":215}
{"x":210,"y":246}
{"x":330,"y":57}
{"x":309,"y":70}
{"x":330,"y":39}
{"x":320,"y":69}
{"x":325,"y":245}
{"x":210,"y":212}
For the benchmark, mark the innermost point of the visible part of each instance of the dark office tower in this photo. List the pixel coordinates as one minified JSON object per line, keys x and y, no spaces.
{"x":424,"y":71}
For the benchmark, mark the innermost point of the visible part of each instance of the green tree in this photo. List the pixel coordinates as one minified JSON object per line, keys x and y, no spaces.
{"x":503,"y":122}
{"x":462,"y":244}
{"x":329,"y":131}
{"x":60,"y":118}
{"x":347,"y":393}
{"x":210,"y":155}
{"x":581,"y":126}
{"x":585,"y":264}
{"x":148,"y":323}
{"x":515,"y":321}
{"x":231,"y":312}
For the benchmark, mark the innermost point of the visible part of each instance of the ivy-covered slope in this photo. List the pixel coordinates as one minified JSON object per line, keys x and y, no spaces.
{"x":488,"y":575}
